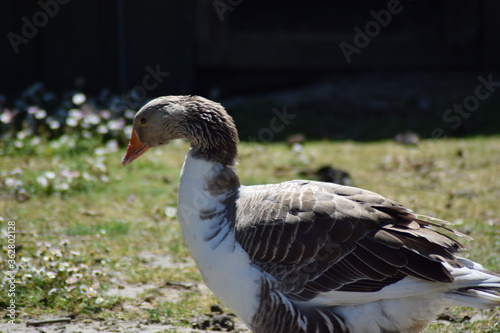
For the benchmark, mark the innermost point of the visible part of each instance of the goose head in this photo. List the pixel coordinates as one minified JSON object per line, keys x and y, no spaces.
{"x":206,"y":124}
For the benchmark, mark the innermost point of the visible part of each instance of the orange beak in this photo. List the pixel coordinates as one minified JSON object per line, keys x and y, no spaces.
{"x":135,"y":149}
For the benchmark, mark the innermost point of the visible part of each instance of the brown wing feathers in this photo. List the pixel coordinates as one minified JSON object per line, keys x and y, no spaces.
{"x":342,"y":238}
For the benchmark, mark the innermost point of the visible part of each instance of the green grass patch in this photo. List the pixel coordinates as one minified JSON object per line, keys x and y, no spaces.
{"x":112,"y":228}
{"x":85,"y":225}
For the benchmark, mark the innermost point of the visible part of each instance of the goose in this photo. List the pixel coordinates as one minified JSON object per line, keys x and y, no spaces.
{"x":305,"y":256}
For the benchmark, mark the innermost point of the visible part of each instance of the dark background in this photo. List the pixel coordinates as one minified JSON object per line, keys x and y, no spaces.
{"x":259,"y":55}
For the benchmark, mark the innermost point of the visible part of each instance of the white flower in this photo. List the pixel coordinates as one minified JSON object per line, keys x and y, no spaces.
{"x":71,"y":122}
{"x":92,"y":119}
{"x":51,"y":275}
{"x":79,"y":98}
{"x":101,"y":151}
{"x":91,"y":292}
{"x":53,"y":290}
{"x":35,"y":141}
{"x":129,"y":114}
{"x":102,"y":129}
{"x":72,"y":279}
{"x":99,"y":166}
{"x":13,"y":183}
{"x":86,"y":134}
{"x":105,"y":114}
{"x":96,"y":272}
{"x":99,"y":300}
{"x":62,"y":187}
{"x":21,"y":135}
{"x":127,"y":130}
{"x":117,"y":124}
{"x":53,"y":124}
{"x":56,"y":252}
{"x":171,"y":211}
{"x":40,"y":114}
{"x":42,"y":181}
{"x":50,"y":175}
{"x":16,"y":172}
{"x":112,"y":146}
{"x":7,"y":116}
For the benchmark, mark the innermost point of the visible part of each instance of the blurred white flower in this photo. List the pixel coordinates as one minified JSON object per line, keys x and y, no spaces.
{"x":69,"y":288}
{"x":171,"y":211}
{"x":102,"y":129}
{"x":51,"y":275}
{"x":105,"y":114}
{"x":101,"y":151}
{"x":76,"y":114}
{"x":16,"y":172}
{"x":86,"y":134}
{"x":70,"y":174}
{"x":56,"y":252}
{"x":7,"y":116}
{"x":21,"y":135}
{"x":86,"y":176}
{"x":53,"y":124}
{"x":62,"y":266}
{"x":79,"y":98}
{"x":13,"y":183}
{"x":99,"y":166}
{"x":99,"y":300}
{"x":129,"y":114}
{"x":92,"y":119}
{"x":40,"y":114}
{"x":96,"y":272}
{"x":127,"y":130}
{"x":91,"y":292}
{"x":50,"y":174}
{"x":112,"y":146}
{"x":72,"y":279}
{"x":62,"y":187}
{"x":71,"y":122}
{"x":35,"y":141}
{"x":53,"y":290}
{"x":42,"y":181}
{"x":116,"y":124}
{"x":33,"y":109}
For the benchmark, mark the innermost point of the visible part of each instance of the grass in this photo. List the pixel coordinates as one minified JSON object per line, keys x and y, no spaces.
{"x":85,"y":225}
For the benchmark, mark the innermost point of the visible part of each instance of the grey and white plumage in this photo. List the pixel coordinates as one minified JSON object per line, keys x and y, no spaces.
{"x":305,"y":256}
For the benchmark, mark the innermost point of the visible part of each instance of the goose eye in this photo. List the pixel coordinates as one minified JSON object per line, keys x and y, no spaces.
{"x":143,"y":121}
